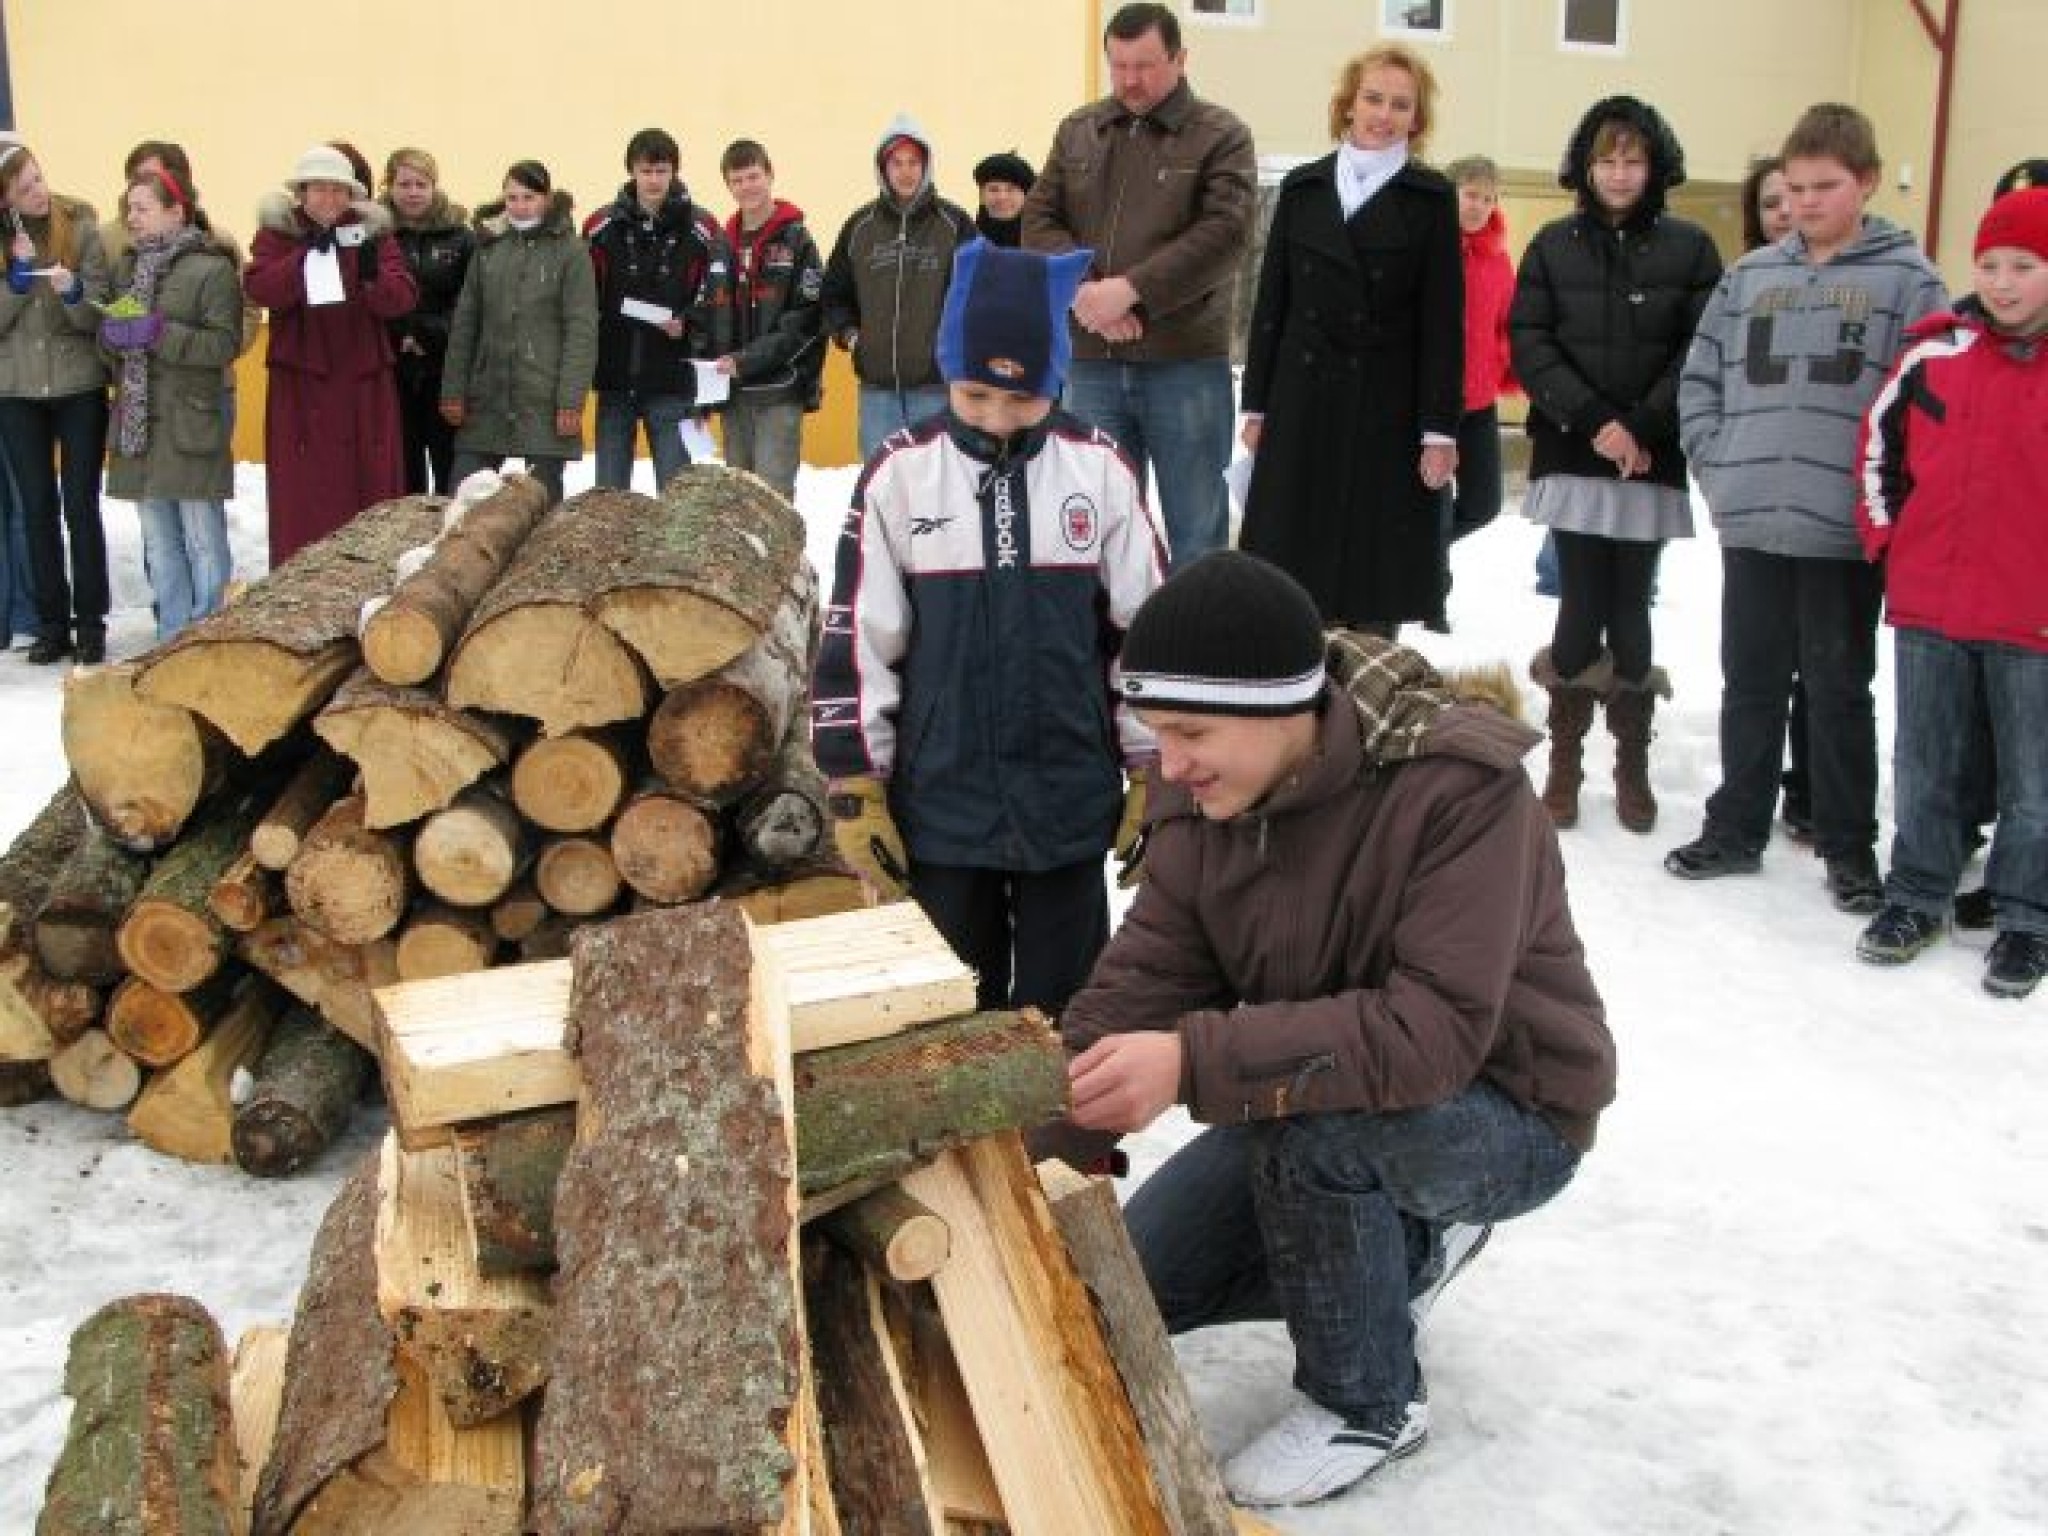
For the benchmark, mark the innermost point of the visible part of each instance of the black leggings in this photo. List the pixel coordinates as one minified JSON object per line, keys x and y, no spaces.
{"x":1604,"y":588}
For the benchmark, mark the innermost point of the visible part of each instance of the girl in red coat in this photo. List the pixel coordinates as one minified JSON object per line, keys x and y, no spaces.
{"x":1489,"y":374}
{"x":325,"y":266}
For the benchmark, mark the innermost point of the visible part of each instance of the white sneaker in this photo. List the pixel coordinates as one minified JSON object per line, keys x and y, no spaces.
{"x":1461,"y":1244}
{"x":1313,"y":1453}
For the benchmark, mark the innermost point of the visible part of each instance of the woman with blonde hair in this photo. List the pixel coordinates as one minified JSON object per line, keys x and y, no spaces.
{"x":437,"y":241}
{"x":53,"y":403}
{"x":1354,"y":372}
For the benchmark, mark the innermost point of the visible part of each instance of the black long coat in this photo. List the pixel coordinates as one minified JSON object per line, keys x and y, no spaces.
{"x":1356,"y":349}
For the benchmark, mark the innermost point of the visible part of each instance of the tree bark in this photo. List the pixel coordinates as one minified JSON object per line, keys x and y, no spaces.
{"x":151,"y":1447}
{"x":161,"y":1028}
{"x":76,"y":929}
{"x":246,"y":895}
{"x":407,"y":639}
{"x":262,"y":666}
{"x":571,"y":783}
{"x":305,"y":1092}
{"x":94,"y":1073}
{"x":665,"y":846}
{"x":332,"y":977}
{"x":142,"y":765}
{"x":470,"y":853}
{"x":170,"y":937}
{"x":415,"y":752}
{"x":348,"y":882}
{"x":39,"y":852}
{"x":440,"y":940}
{"x":320,"y":781}
{"x":782,"y":820}
{"x":38,"y":1012}
{"x":188,"y":1111}
{"x":577,"y":876}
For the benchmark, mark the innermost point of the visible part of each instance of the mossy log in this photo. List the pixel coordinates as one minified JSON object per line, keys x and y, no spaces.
{"x":170,"y":937}
{"x":143,"y":765}
{"x":416,"y":753}
{"x":305,"y":1091}
{"x":75,"y":932}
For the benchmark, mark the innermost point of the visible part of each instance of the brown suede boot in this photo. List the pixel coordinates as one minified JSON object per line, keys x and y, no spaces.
{"x":1571,"y":716}
{"x":1629,"y":708}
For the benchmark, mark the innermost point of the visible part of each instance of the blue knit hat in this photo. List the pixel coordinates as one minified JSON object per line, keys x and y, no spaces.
{"x":1005,"y":323}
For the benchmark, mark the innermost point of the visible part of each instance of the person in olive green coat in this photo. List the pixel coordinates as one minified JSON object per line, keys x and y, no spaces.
{"x":172,"y":454}
{"x":523,"y":344}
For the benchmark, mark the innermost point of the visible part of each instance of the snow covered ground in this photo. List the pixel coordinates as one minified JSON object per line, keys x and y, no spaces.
{"x":1801,"y":1285}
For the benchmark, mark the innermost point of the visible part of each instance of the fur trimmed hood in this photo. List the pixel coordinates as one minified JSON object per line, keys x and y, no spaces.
{"x":279,"y":212}
{"x":1667,"y":156}
{"x":491,"y":224}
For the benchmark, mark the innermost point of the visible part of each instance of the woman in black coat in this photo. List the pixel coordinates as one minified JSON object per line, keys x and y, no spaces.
{"x":438,"y":243}
{"x":1354,"y":375}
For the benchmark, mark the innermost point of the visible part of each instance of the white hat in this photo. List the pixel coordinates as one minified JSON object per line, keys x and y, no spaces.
{"x":323,"y":162}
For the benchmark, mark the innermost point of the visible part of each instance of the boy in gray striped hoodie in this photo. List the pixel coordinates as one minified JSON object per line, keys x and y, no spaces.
{"x":1794,"y":344}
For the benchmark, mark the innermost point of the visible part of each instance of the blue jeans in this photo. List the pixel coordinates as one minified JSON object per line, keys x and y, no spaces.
{"x":1947,"y":692}
{"x":619,"y":415}
{"x":883,"y":411}
{"x":1176,"y":417}
{"x":1546,"y":566}
{"x":185,"y":554}
{"x":17,"y":592}
{"x":1331,"y":1222}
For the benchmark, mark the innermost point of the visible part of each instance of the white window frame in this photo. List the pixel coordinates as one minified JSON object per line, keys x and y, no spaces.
{"x":1256,"y":17}
{"x":1567,"y":44}
{"x":1440,"y":33}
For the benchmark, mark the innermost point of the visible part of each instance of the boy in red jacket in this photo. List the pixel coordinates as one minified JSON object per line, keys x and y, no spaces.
{"x":1955,"y":502}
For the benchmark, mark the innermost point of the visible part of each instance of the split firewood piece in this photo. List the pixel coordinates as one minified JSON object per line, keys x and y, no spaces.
{"x":577,"y":876}
{"x":855,"y":974}
{"x":349,"y":882}
{"x":893,"y":1233}
{"x":142,"y":764}
{"x":874,"y":1446}
{"x":334,"y":978}
{"x":470,"y":853}
{"x":94,"y":1073}
{"x":170,"y":937}
{"x":688,"y":1150}
{"x":246,"y":895}
{"x":815,"y":887}
{"x":1092,"y":1226}
{"x":23,"y":1082}
{"x":256,"y":1389}
{"x":305,"y":1090}
{"x":151,"y":1446}
{"x":24,"y":1038}
{"x":517,"y":913}
{"x":320,"y":781}
{"x":33,"y":1003}
{"x":571,"y":783}
{"x":1053,"y":1415}
{"x":75,"y":930}
{"x":160,"y":1028}
{"x":782,"y":820}
{"x":440,"y":940}
{"x":262,"y":666}
{"x":408,"y":638}
{"x":699,"y":575}
{"x":188,"y":1111}
{"x":533,"y":647}
{"x":415,"y":752}
{"x":665,"y":845}
{"x":914,"y":1337}
{"x":718,"y":736}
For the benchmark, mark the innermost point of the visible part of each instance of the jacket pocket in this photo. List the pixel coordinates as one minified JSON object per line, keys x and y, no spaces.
{"x":198,"y":425}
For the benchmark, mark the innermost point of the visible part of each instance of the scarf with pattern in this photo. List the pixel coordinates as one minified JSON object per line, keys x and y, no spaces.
{"x":153,"y":257}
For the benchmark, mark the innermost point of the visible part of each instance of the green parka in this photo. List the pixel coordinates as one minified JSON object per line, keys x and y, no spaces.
{"x":189,"y":454}
{"x":523,"y":344}
{"x":50,"y":349}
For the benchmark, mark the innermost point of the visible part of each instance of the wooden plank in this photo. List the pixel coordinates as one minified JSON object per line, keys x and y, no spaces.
{"x":1052,"y":1412}
{"x":256,"y":1393}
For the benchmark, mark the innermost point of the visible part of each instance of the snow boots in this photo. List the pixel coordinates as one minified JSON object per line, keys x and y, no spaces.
{"x":1571,"y":715}
{"x":1629,"y":708}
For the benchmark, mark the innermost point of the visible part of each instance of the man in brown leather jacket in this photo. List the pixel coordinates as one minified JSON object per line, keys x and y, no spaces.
{"x":1353,"y":958}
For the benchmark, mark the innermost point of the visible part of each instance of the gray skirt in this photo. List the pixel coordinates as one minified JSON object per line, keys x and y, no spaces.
{"x":1635,"y":510}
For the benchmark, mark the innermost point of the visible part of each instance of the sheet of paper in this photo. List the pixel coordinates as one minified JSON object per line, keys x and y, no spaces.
{"x":698,"y":442}
{"x":1237,"y":478}
{"x":323,"y":278}
{"x":712,"y":386}
{"x":640,"y":309}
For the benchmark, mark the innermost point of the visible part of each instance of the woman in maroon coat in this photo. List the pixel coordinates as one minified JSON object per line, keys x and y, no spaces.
{"x":325,"y":266}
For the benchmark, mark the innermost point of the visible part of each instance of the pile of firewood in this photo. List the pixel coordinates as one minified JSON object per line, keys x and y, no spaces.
{"x":757,"y":1248}
{"x":436,"y":741}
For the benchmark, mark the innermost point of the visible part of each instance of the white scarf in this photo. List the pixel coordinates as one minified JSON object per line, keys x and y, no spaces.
{"x":1362,"y":172}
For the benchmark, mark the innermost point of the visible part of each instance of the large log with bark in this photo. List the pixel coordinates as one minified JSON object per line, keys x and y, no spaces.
{"x":665,"y":845}
{"x":349,"y":882}
{"x":304,"y":1092}
{"x":171,"y":937}
{"x":534,"y":648}
{"x":335,"y":978}
{"x":262,"y":666}
{"x":75,"y":931}
{"x":699,"y":580}
{"x":408,"y":638}
{"x":143,"y":765}
{"x":151,"y":1448}
{"x":572,"y":783}
{"x":657,"y":1403}
{"x":320,"y":781}
{"x":188,"y":1111}
{"x":470,"y":853}
{"x":415,"y":752}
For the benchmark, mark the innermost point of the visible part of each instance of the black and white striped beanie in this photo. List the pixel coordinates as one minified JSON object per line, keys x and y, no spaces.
{"x":1230,"y":634}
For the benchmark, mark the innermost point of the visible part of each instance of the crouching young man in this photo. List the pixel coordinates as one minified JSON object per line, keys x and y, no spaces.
{"x":1353,"y":958}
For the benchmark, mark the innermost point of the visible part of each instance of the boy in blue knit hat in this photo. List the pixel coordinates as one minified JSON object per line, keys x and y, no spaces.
{"x":964,"y":701}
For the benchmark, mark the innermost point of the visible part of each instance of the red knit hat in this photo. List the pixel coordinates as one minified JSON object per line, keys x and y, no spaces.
{"x":2018,"y":219}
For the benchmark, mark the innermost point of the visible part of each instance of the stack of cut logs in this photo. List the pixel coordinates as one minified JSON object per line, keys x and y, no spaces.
{"x":803,"y":1277}
{"x":441,"y":738}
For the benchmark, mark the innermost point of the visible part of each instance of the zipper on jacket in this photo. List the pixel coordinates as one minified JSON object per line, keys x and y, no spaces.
{"x":1297,"y":1070}
{"x":1116,"y":211}
{"x":896,"y":318}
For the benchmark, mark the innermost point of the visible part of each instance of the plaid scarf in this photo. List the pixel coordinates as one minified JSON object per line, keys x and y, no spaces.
{"x":1399,"y":695}
{"x":153,"y":257}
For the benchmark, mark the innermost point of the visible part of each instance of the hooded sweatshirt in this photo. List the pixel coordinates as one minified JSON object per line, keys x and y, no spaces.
{"x":1787,"y":359}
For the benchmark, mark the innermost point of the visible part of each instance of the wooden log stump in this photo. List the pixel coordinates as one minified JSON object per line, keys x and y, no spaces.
{"x":336,"y":979}
{"x":892,"y":1233}
{"x":348,"y":882}
{"x":305,"y":1091}
{"x":407,"y":639}
{"x":470,"y":853}
{"x":76,"y":927}
{"x":320,"y":781}
{"x":414,"y":751}
{"x":518,"y":912}
{"x":439,"y":940}
{"x":141,"y":764}
{"x":152,"y":1444}
{"x":262,"y":666}
{"x":665,"y":845}
{"x":782,"y":821}
{"x":161,"y":1028}
{"x":170,"y":937}
{"x":571,"y":783}
{"x":188,"y":1111}
{"x":577,"y":876}
{"x":94,"y":1073}
{"x":246,"y":895}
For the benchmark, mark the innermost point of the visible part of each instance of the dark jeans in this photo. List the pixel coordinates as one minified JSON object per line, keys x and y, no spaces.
{"x":56,"y":449}
{"x":1477,"y":499}
{"x":429,"y":440}
{"x":1177,"y":417}
{"x":620,"y":415}
{"x":1604,"y":588}
{"x":1032,"y":938}
{"x":1948,"y":693}
{"x":547,"y":471}
{"x":1331,"y":1223}
{"x":1816,"y":618}
{"x":17,"y":591}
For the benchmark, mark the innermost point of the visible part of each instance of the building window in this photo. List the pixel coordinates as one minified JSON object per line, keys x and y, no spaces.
{"x":1225,"y":13}
{"x":1591,"y":26}
{"x":1417,"y":18}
